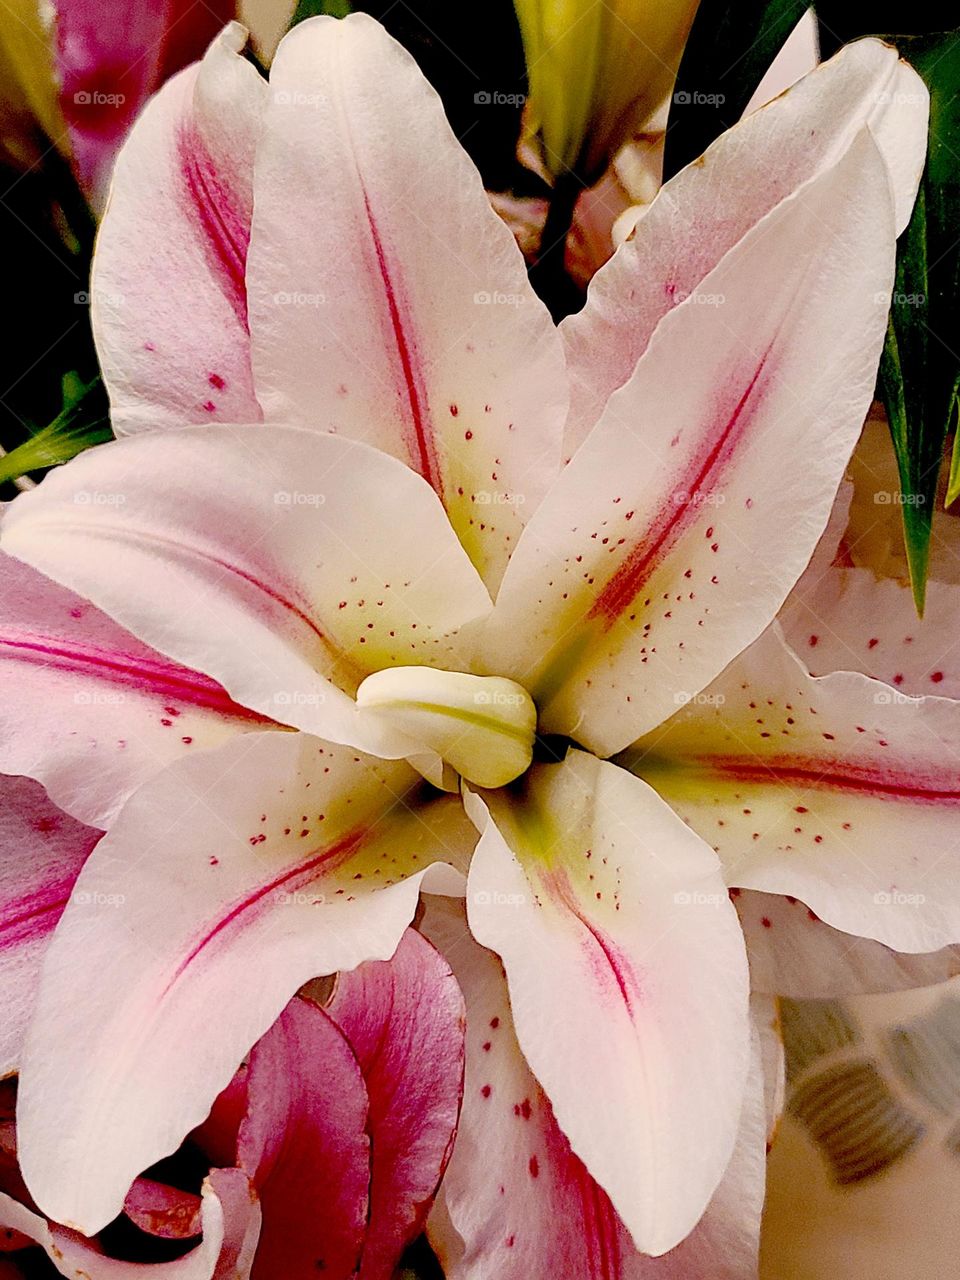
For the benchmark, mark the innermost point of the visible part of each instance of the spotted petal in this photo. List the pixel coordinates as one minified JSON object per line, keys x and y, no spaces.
{"x":664,"y":548}
{"x":167,"y":288}
{"x":88,"y":709}
{"x":276,"y":855}
{"x":404,"y":318}
{"x":285,"y":564}
{"x":832,"y":790}
{"x":516,"y":1202}
{"x":628,"y":983}
{"x":709,"y":206}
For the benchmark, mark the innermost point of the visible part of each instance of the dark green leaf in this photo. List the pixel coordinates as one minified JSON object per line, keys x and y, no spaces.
{"x":730,"y":48}
{"x":84,"y":421}
{"x":920,"y":370}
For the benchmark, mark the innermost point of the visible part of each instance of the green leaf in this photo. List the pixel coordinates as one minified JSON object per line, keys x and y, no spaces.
{"x":920,"y":369}
{"x":84,"y":421}
{"x":730,"y":48}
{"x":313,"y":8}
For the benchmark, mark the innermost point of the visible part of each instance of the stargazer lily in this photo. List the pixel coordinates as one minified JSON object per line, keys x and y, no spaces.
{"x":361,"y":529}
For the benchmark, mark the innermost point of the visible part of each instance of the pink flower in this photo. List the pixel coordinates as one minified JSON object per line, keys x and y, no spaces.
{"x":359,"y":527}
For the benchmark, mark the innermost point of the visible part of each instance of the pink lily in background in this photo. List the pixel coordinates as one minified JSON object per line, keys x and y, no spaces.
{"x":361,"y":530}
{"x":333,"y":1140}
{"x":87,"y":68}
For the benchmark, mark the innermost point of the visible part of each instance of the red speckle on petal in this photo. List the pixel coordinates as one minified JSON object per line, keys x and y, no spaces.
{"x":936,"y":677}
{"x":216,"y":381}
{"x":486,"y":1091}
{"x":534,"y":1167}
{"x":766,"y":922}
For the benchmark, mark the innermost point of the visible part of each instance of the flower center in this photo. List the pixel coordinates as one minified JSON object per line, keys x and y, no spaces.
{"x":481,"y":726}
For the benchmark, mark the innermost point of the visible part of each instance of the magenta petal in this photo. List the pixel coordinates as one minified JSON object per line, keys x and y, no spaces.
{"x":305,"y":1146}
{"x":41,"y":852}
{"x":163,"y":1211}
{"x":111,"y":56}
{"x":405,"y":1020}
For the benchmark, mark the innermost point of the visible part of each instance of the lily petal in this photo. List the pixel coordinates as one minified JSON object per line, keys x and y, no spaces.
{"x":405,"y":1022}
{"x":711,"y":205}
{"x":628,"y":982}
{"x":169,"y":308}
{"x":85,"y":707}
{"x":276,"y":854}
{"x":830,"y":790}
{"x":285,"y":564}
{"x":663,"y":549}
{"x":230,"y":1222}
{"x":793,"y":953}
{"x":845,"y":619}
{"x":405,"y":318}
{"x":41,"y":852}
{"x":496,"y":1218}
{"x":163,"y":1211}
{"x":305,"y":1146}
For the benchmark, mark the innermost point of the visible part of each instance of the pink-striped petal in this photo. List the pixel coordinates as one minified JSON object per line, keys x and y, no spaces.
{"x":388,"y":302}
{"x":709,"y":206}
{"x":305,"y":1146}
{"x":404,"y":1019}
{"x":664,"y":548}
{"x":41,"y":852}
{"x":169,"y":305}
{"x":628,"y":983}
{"x":285,"y":564}
{"x":830,"y":790}
{"x":277,"y":856}
{"x":503,"y":1215}
{"x":88,"y":709}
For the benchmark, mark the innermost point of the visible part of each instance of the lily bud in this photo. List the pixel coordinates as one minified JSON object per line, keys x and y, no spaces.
{"x":482,"y":726}
{"x":594,"y":71}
